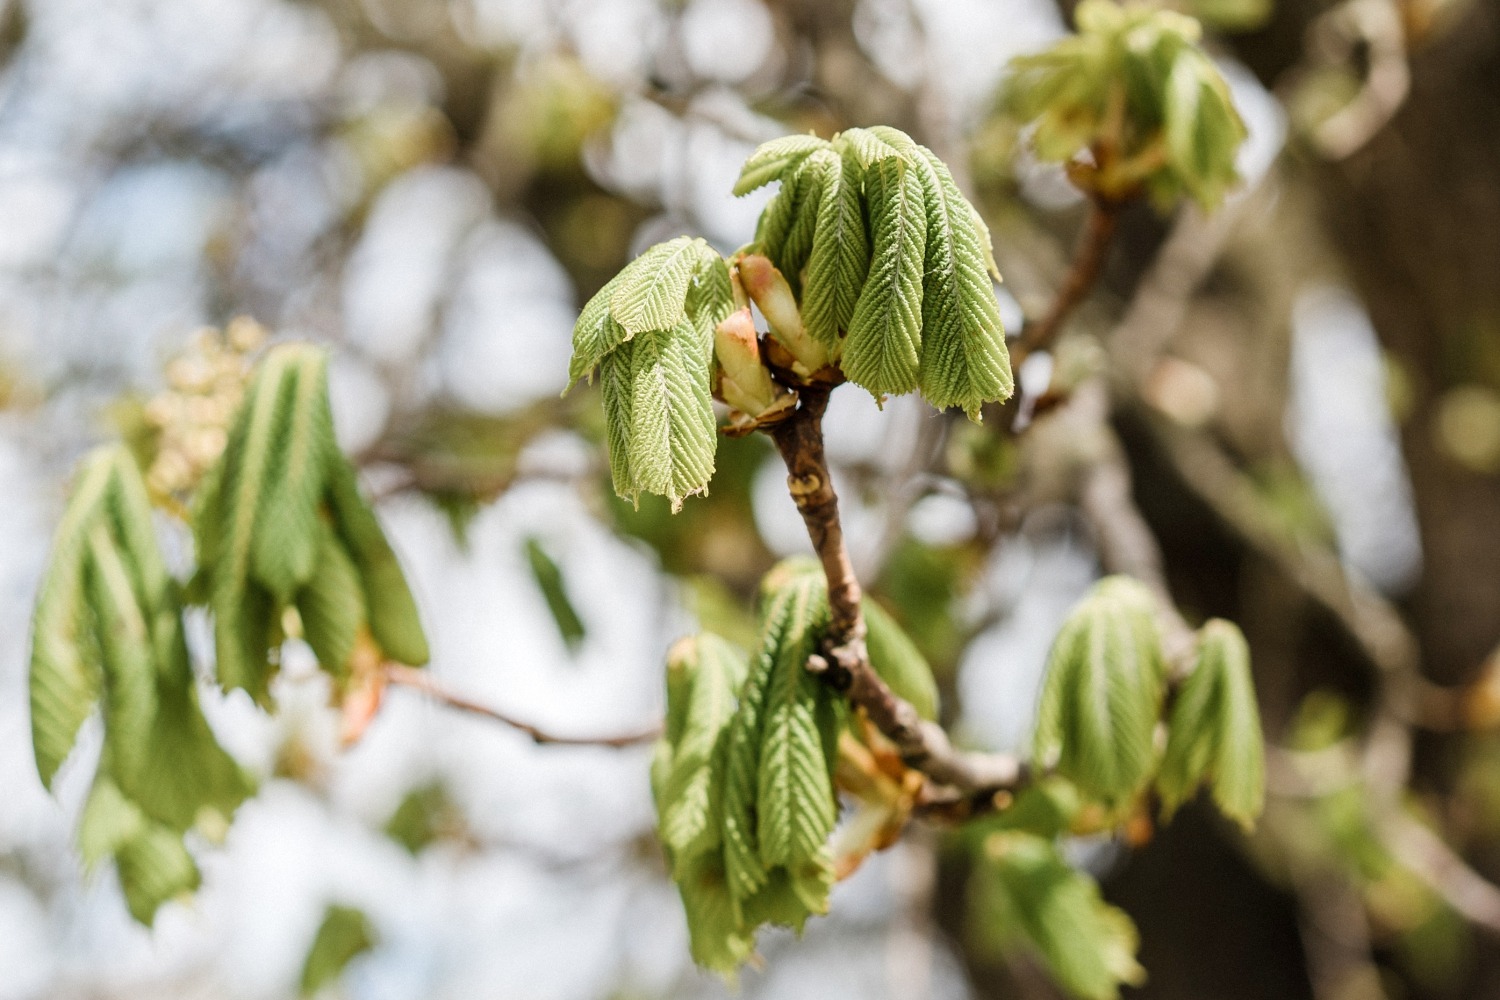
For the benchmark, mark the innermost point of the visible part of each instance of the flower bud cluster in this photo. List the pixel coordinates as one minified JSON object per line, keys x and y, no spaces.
{"x":191,"y":417}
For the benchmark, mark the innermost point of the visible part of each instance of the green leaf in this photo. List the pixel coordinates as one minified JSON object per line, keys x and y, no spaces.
{"x":344,"y":934}
{"x":1103,"y":691}
{"x":653,"y":288}
{"x":690,"y":807}
{"x":1215,"y":735}
{"x":332,"y":606}
{"x":286,"y":533}
{"x":898,"y":661}
{"x":1027,"y":896}
{"x":244,"y":612}
{"x":425,"y":815}
{"x":596,"y":333}
{"x":151,"y":862}
{"x":840,"y":256}
{"x":883,"y":348}
{"x":795,"y":805}
{"x":65,"y":676}
{"x":547,"y":576}
{"x":672,"y":434}
{"x":393,"y":619}
{"x":109,"y":623}
{"x":717,"y":937}
{"x":964,"y":359}
{"x":771,"y":160}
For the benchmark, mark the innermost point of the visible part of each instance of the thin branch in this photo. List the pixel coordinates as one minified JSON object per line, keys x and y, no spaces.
{"x":1088,"y":262}
{"x":421,"y":680}
{"x":845,"y":662}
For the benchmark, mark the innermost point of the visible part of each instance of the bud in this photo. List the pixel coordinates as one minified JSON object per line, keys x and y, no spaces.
{"x":770,"y":292}
{"x":744,"y":382}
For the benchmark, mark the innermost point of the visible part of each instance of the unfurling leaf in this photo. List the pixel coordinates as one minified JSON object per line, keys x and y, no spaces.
{"x":1103,"y":692}
{"x":281,"y":522}
{"x":884,"y":344}
{"x":1135,"y":92}
{"x":650,"y":331}
{"x":743,"y":775}
{"x":771,"y":160}
{"x":1026,"y":897}
{"x":1215,"y":736}
{"x":108,"y":629}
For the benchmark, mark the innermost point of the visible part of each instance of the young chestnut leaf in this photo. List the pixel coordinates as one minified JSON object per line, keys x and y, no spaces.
{"x":1135,"y":95}
{"x":1102,"y":695}
{"x":1214,"y":736}
{"x":151,"y":862}
{"x":650,"y":331}
{"x":108,"y":630}
{"x":280,"y":496}
{"x":1025,"y":895}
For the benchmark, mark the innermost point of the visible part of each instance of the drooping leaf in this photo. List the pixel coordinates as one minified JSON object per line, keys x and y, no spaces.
{"x":898,"y":661}
{"x":652,"y":290}
{"x":151,"y":862}
{"x":596,"y":333}
{"x":771,"y":160}
{"x":332,"y":606}
{"x":839,"y":259}
{"x":344,"y":934}
{"x":1026,"y":896}
{"x":883,"y":348}
{"x":393,"y":618}
{"x":690,"y":809}
{"x":547,"y":576}
{"x":1103,"y":691}
{"x":109,"y":587}
{"x":65,"y":674}
{"x":1215,"y":736}
{"x":672,"y":435}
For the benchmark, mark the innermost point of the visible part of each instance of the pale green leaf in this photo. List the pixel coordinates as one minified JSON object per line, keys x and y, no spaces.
{"x":672,"y":433}
{"x":690,"y":812}
{"x":1102,"y":694}
{"x":1028,"y":897}
{"x":596,"y":333}
{"x":151,"y":862}
{"x":883,"y":348}
{"x":771,"y":160}
{"x":652,"y":289}
{"x":65,"y":675}
{"x":394,"y":622}
{"x":286,"y":531}
{"x":840,"y":256}
{"x":332,"y":606}
{"x":1215,"y":735}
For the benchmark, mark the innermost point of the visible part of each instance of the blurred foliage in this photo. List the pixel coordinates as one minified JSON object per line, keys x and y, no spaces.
{"x":343,"y":936}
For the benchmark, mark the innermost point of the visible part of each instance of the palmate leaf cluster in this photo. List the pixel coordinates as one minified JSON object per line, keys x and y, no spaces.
{"x":743,"y":775}
{"x":892,"y":266}
{"x":107,"y":636}
{"x":1135,"y":92}
{"x":1102,"y":702}
{"x":1097,"y":740}
{"x":280,"y":525}
{"x":893,"y":277}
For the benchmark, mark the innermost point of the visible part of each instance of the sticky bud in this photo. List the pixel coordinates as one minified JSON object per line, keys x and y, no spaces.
{"x":773,"y":296}
{"x":744,"y":382}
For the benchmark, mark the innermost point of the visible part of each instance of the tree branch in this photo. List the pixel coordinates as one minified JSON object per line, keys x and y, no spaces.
{"x":1088,"y":262}
{"x":845,"y":663}
{"x":421,"y":680}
